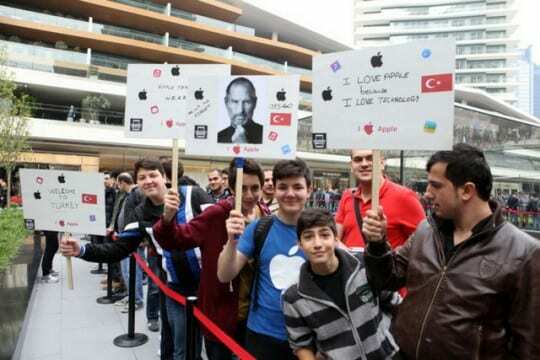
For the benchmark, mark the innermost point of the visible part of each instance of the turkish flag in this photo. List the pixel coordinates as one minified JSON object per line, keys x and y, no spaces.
{"x":437,"y":83}
{"x":280,"y":119}
{"x":89,"y":199}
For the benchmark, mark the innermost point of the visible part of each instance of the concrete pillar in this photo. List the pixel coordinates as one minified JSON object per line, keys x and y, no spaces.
{"x":274,"y":36}
{"x":168,"y":9}
{"x":229,"y":52}
{"x":166,"y":39}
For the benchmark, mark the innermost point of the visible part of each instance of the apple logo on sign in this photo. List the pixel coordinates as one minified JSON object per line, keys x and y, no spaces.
{"x":368,"y":128}
{"x":37,"y":195}
{"x":284,"y":270}
{"x":199,"y":94}
{"x":236,"y":149}
{"x":280,"y":95}
{"x":142,"y":94}
{"x":376,"y":60}
{"x":175,"y":71}
{"x":61,"y":223}
{"x":169,"y":123}
{"x":327,"y":94}
{"x":61,"y":179}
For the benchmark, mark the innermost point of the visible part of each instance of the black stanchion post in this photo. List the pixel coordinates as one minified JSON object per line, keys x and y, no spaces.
{"x":110,"y":298}
{"x":131,"y":339}
{"x":191,"y":329}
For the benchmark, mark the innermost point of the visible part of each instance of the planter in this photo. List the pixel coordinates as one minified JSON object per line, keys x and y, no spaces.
{"x":16,"y":284}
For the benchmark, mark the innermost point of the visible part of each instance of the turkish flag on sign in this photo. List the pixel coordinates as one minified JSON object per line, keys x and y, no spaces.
{"x":437,"y":83}
{"x":280,"y":119}
{"x":89,"y":199}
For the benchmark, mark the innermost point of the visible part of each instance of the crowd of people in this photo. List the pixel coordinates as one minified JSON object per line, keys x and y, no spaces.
{"x":287,"y":278}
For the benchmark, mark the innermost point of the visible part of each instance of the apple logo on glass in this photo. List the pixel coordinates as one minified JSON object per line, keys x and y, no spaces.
{"x":142,"y":94}
{"x":284,"y":269}
{"x":327,"y":94}
{"x":368,"y":128}
{"x":62,"y":179}
{"x":199,"y":94}
{"x":280,"y":95}
{"x":175,"y":71}
{"x":376,"y":60}
{"x":37,"y":195}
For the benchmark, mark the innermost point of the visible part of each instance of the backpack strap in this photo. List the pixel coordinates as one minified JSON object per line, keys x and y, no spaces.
{"x":261,"y":232}
{"x":357,"y":212}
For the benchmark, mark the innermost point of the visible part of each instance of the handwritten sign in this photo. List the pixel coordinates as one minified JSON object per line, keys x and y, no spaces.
{"x":253,"y":116}
{"x":397,"y":97}
{"x":156,"y":98}
{"x":68,"y":201}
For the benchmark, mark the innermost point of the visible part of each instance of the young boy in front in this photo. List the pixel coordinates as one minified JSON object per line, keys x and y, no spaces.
{"x":332,"y":310}
{"x":276,"y":265}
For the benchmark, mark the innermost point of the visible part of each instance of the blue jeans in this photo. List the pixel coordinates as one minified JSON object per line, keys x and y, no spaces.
{"x":139,"y":296}
{"x":177,"y":321}
{"x":152,"y":296}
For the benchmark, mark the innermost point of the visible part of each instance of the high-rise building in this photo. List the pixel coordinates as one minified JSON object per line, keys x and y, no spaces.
{"x":536,"y":91}
{"x":484,"y":30}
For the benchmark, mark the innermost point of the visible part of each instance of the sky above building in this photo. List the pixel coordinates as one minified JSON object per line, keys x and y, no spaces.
{"x":335,"y":19}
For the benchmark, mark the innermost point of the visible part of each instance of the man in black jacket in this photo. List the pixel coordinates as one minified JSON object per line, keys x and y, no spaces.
{"x":151,"y":180}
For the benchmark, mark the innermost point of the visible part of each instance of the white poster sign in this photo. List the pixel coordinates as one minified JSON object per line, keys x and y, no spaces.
{"x":399,"y":97}
{"x":156,"y":98}
{"x":67,"y":201}
{"x":252,"y":116}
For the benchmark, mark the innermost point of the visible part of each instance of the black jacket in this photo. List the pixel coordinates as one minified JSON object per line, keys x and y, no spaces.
{"x":145,"y":215}
{"x":254,"y":133}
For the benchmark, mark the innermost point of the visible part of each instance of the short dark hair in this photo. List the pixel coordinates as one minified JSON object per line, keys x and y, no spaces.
{"x":315,"y":217}
{"x":251,"y":167}
{"x":225,"y":171}
{"x":166,"y":162}
{"x":125,"y":178}
{"x":465,"y":163}
{"x":242,"y":81}
{"x":148,"y":164}
{"x":219,"y":171}
{"x":291,"y":168}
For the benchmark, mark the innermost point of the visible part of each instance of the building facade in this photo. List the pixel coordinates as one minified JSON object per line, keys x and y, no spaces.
{"x":71,"y":57}
{"x":484,"y":30}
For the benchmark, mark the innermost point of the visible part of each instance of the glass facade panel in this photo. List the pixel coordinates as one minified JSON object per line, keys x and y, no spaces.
{"x":40,"y":18}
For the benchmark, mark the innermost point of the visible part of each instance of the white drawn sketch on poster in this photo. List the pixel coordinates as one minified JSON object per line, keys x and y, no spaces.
{"x":156,"y":98}
{"x":398,"y":97}
{"x":66,"y":201}
{"x":243,"y":116}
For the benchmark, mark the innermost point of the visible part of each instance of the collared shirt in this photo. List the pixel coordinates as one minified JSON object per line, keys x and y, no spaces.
{"x":401,"y":207}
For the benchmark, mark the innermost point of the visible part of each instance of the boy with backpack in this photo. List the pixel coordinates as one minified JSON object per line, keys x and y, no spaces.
{"x":276,"y":260}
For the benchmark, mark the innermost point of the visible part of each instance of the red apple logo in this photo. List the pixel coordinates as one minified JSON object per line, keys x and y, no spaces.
{"x":169,"y":123}
{"x":61,"y":223}
{"x":236,"y":149}
{"x":368,"y":128}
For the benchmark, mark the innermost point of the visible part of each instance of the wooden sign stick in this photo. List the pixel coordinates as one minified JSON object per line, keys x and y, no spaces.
{"x":375,"y":180}
{"x":69,"y":266}
{"x":174,"y":172}
{"x":239,"y":163}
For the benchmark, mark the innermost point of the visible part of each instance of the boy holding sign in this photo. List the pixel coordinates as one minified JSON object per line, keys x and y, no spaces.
{"x":277,"y":264}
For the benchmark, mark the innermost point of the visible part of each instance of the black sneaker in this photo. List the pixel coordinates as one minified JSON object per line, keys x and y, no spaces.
{"x":153,"y":325}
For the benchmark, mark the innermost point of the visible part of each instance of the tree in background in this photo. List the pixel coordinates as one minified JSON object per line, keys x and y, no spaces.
{"x":92,"y":106}
{"x":15,"y":109}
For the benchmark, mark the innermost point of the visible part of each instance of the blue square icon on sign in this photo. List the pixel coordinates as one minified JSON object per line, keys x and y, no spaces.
{"x":286,"y":149}
{"x":92,"y":218}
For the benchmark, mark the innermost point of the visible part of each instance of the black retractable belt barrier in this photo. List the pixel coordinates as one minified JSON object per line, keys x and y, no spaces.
{"x":191,"y":329}
{"x":131,"y":339}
